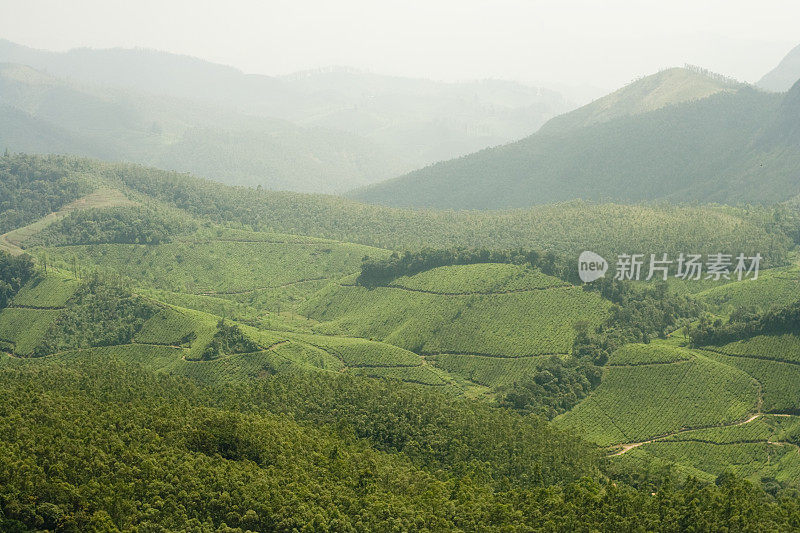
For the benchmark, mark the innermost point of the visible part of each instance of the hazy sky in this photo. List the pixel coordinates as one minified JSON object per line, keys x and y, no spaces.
{"x":601,"y":43}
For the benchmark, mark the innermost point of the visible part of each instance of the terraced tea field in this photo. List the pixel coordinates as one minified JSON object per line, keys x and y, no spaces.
{"x":486,"y":278}
{"x":648,"y":354}
{"x":638,"y":402}
{"x":221,"y":268}
{"x":765,"y":447}
{"x":774,"y":287}
{"x":701,"y":412}
{"x":175,"y":339}
{"x":492,"y":372}
{"x":51,"y":291}
{"x":537,"y":320}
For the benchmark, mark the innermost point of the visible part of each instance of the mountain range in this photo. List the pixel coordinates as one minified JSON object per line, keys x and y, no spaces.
{"x":682,"y":135}
{"x":321,"y":131}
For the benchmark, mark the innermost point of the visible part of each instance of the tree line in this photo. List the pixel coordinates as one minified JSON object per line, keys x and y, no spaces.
{"x":15,"y":271}
{"x":379,"y":272}
{"x":744,"y":323}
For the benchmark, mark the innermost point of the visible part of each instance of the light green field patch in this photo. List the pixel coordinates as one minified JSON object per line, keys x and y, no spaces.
{"x":636,"y":403}
{"x":648,"y":354}
{"x":749,"y":460}
{"x":361,"y":352}
{"x":775,"y":347}
{"x":277,"y":319}
{"x":25,"y":328}
{"x":169,"y":327}
{"x":493,"y":372}
{"x":514,"y":324}
{"x":422,"y":375}
{"x":478,"y":278}
{"x":774,"y":287}
{"x":230,"y":269}
{"x":780,"y":382}
{"x":758,"y":430}
{"x":307,"y":355}
{"x":53,"y":290}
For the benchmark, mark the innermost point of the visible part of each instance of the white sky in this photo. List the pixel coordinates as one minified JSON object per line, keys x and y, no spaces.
{"x":576,"y":42}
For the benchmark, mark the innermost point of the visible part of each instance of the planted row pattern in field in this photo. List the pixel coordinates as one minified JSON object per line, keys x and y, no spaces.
{"x":775,"y":347}
{"x":220,"y":267}
{"x":53,"y":290}
{"x":635,"y":403}
{"x":515,"y":324}
{"x":780,"y":382}
{"x":492,"y":372}
{"x":478,"y":278}
{"x":648,"y":354}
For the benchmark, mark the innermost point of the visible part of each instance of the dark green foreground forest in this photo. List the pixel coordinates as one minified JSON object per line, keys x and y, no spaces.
{"x":101,"y":447}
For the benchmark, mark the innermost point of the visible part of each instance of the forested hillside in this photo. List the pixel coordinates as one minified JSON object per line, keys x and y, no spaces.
{"x":264,"y":457}
{"x":566,"y":229}
{"x":730,"y":144}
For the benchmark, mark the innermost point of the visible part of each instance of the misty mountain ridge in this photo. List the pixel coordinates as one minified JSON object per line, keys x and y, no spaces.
{"x":785,"y":75}
{"x":649,"y":93}
{"x":709,"y":139}
{"x":42,"y":113}
{"x":416,"y":121}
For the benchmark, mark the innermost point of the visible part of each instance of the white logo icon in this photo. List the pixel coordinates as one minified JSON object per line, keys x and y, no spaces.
{"x":591,"y":267}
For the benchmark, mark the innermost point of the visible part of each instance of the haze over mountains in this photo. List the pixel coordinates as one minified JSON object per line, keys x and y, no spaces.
{"x":680,"y":135}
{"x":322,"y":131}
{"x":786,"y":74}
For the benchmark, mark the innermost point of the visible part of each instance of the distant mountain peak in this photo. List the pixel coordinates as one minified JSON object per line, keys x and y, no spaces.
{"x":667,"y":87}
{"x":785,"y":75}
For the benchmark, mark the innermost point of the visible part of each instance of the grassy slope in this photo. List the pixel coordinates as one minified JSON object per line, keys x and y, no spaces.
{"x":501,"y":323}
{"x":639,"y":402}
{"x":12,"y":240}
{"x":175,"y":338}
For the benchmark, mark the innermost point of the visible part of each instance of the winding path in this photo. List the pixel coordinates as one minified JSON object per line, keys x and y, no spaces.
{"x":630,"y":446}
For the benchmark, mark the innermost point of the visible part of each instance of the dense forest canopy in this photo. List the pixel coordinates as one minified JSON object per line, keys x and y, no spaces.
{"x":269,"y":456}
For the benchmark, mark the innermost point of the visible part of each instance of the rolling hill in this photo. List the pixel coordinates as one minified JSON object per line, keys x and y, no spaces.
{"x":665,"y":88}
{"x":715,"y":141}
{"x":566,"y":229}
